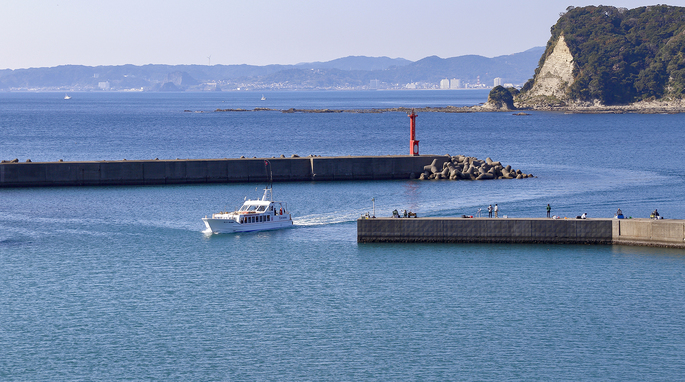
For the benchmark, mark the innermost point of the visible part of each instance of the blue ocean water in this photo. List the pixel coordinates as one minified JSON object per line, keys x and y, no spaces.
{"x":103,"y":283}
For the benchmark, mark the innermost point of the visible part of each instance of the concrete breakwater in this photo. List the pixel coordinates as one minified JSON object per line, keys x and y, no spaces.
{"x":647,"y":232}
{"x":139,"y":172}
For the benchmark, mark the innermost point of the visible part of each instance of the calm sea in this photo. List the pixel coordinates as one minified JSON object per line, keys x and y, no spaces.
{"x":109,"y":283}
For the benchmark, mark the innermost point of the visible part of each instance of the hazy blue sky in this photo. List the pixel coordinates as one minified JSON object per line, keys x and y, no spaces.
{"x":37,"y":33}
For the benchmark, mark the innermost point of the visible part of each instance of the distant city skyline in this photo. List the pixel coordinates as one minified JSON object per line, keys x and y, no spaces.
{"x":40,"y":33}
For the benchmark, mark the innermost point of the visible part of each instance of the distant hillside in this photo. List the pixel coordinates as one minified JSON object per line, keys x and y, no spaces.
{"x":612,"y":55}
{"x":358,"y":63}
{"x":354,"y":72}
{"x":514,"y":68}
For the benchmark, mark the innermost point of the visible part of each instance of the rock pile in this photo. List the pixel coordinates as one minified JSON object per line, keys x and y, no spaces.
{"x":461,"y":167}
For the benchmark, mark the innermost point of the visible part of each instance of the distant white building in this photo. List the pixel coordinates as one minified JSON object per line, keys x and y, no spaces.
{"x":498,"y":81}
{"x":373,"y":84}
{"x":445,"y":84}
{"x":103,"y":85}
{"x":455,"y":83}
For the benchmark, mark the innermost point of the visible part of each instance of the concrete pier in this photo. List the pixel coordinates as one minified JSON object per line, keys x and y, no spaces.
{"x":139,"y":172}
{"x":648,"y":232}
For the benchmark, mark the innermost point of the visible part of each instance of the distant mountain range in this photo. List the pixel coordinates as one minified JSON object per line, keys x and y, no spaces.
{"x":353,"y":72}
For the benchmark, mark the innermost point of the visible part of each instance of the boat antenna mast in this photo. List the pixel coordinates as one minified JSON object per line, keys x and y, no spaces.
{"x":268,"y":191}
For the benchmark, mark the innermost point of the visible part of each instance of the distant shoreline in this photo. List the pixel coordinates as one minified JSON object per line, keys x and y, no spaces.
{"x":425,"y":109}
{"x":643,"y":108}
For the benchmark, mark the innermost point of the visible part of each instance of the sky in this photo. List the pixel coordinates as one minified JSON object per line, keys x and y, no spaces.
{"x":42,"y":33}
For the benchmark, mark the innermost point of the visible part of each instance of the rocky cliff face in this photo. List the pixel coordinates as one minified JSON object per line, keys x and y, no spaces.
{"x":608,"y":56}
{"x":556,"y":74}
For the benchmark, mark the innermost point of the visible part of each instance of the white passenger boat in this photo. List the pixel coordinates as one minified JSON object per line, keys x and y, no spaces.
{"x":254,"y":215}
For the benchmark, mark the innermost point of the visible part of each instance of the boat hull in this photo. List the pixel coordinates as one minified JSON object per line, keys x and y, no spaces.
{"x":231,"y":226}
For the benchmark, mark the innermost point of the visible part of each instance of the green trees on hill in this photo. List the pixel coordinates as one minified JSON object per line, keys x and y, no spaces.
{"x":623,"y":55}
{"x":501,"y":97}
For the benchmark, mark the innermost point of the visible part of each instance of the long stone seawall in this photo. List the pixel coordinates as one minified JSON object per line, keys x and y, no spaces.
{"x":132,"y":172}
{"x":661,"y":233}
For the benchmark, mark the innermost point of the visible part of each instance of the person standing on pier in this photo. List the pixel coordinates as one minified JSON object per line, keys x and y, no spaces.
{"x":496,"y":210}
{"x":548,"y":209}
{"x":490,"y":211}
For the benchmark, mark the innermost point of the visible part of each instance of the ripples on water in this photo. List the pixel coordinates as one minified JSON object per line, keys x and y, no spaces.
{"x":121,"y":282}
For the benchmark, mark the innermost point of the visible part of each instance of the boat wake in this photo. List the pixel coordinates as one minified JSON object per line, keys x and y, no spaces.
{"x":326,"y":219}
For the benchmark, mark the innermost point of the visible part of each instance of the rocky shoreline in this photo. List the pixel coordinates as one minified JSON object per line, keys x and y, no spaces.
{"x":645,"y":107}
{"x":642,"y":107}
{"x":427,"y":109}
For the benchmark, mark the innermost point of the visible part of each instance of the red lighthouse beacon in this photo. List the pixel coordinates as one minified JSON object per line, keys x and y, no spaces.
{"x":413,"y":143}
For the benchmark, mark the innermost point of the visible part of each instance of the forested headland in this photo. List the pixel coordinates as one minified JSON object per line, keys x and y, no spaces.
{"x":619,"y":56}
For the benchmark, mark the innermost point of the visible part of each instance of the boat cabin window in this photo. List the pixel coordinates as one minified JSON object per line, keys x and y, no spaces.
{"x":261,"y":209}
